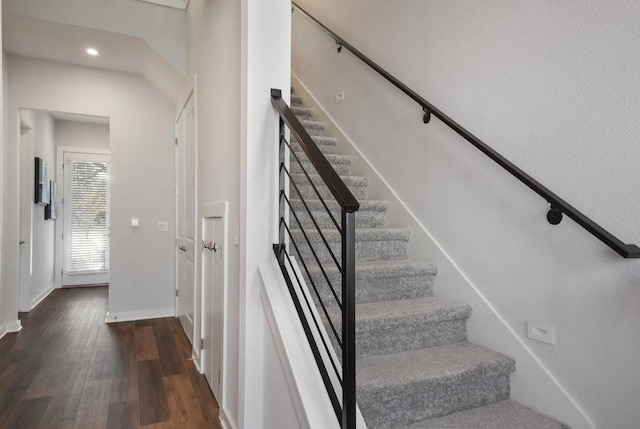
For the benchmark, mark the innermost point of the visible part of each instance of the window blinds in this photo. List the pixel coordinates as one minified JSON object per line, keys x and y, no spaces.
{"x":89,"y":230}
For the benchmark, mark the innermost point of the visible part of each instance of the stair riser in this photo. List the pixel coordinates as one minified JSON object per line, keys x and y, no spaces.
{"x":327,"y":149}
{"x":390,"y":407}
{"x":340,"y":168}
{"x":410,"y":336}
{"x":403,"y":337}
{"x":296,"y":101}
{"x":364,"y":219}
{"x":376,"y":289}
{"x":307,"y":192}
{"x":365,"y":250}
{"x":313,"y":132}
{"x":302,"y":113}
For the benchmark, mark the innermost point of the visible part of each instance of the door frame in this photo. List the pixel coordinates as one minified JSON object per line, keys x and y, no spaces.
{"x":60,"y":151}
{"x":213,"y":211}
{"x":25,"y":214}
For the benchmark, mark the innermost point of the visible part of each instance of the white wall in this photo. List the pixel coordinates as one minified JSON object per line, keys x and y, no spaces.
{"x":238,"y":57}
{"x":214,"y":55}
{"x":42,"y":231}
{"x":552,"y":87}
{"x":164,"y":28}
{"x":266,"y":64}
{"x":81,"y":134}
{"x":141,"y":120}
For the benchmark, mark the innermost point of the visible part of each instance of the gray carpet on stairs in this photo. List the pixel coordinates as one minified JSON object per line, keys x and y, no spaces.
{"x":415,"y":367}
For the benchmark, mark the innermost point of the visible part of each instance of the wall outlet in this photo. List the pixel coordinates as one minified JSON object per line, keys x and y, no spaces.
{"x":135,"y":222}
{"x":541,"y":332}
{"x":340,"y":97}
{"x":163,"y":226}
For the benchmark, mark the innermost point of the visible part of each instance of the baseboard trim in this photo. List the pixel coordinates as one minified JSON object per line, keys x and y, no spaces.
{"x":128,"y":316}
{"x":225,"y":420}
{"x":11,"y":327}
{"x":41,"y":297}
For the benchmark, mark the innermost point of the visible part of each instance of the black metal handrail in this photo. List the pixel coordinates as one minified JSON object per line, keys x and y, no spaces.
{"x":346,"y":409}
{"x":558,"y":205}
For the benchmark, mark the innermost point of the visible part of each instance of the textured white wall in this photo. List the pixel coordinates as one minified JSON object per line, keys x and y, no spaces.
{"x":81,"y":134}
{"x":43,"y":231}
{"x":164,"y":28}
{"x":141,"y":120}
{"x":553,"y":87}
{"x":266,"y":64}
{"x":214,"y":55}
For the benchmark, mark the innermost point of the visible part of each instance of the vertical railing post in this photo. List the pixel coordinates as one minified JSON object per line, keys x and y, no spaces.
{"x":282,"y":183}
{"x":348,"y":320}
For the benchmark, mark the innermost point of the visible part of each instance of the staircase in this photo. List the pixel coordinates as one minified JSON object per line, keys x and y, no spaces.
{"x":415,"y":367}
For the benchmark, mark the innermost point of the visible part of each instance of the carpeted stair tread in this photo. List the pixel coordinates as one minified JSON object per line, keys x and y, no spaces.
{"x":408,"y":324}
{"x":372,"y":244}
{"x":340,"y":163}
{"x":322,"y":140}
{"x":386,"y":314}
{"x":357,"y":185}
{"x":333,"y":159}
{"x":365,"y":205}
{"x":302,"y":112}
{"x":372,"y":214}
{"x":300,"y":179}
{"x":506,"y":414}
{"x":434,"y":363}
{"x":362,"y":234}
{"x":327,"y":145}
{"x":386,"y":269}
{"x":313,"y":128}
{"x":296,"y":100}
{"x":399,"y":389}
{"x":309,"y":124}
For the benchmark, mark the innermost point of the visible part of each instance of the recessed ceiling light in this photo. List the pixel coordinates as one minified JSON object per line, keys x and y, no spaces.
{"x":92,"y":51}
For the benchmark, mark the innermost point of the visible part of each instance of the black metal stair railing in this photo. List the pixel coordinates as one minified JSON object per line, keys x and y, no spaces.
{"x":558,"y":206}
{"x":294,"y":239}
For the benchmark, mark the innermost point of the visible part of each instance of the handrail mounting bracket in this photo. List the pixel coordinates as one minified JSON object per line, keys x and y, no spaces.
{"x":554,"y":215}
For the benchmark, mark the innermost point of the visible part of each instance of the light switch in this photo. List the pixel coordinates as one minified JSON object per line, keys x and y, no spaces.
{"x":163,"y":226}
{"x":135,"y":222}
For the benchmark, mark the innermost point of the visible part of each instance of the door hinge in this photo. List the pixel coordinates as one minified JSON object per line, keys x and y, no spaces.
{"x":176,"y":292}
{"x":201,"y":343}
{"x":62,"y":200}
{"x":62,"y":238}
{"x":176,"y":141}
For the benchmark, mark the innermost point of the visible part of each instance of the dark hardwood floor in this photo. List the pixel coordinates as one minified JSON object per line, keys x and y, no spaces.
{"x":68,"y":369}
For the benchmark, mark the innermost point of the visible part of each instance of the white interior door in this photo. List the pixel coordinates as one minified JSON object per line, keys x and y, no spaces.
{"x":185,"y":218}
{"x":86,"y":234}
{"x":26,"y":215}
{"x":214,"y":240}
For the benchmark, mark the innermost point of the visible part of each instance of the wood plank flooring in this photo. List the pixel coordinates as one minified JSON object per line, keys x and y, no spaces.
{"x":67,"y":369}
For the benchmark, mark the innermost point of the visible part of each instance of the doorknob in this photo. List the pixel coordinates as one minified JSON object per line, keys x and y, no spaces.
{"x":210,"y":246}
{"x":183,"y":248}
{"x":21,"y":242}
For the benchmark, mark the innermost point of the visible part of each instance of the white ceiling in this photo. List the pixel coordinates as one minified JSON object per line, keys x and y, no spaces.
{"x":38,"y":38}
